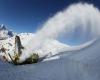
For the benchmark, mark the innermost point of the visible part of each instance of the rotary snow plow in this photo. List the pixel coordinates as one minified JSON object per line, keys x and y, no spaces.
{"x":34,"y":58}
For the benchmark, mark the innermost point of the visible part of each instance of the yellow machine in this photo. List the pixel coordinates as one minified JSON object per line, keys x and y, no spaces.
{"x":18,"y":51}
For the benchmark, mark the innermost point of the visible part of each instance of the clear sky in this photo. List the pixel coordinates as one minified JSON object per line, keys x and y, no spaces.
{"x":28,"y":15}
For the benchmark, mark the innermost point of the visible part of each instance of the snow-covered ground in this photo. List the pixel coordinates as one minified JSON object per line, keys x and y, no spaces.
{"x":76,"y":65}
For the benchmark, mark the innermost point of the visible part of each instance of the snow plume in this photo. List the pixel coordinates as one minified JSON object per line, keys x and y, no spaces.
{"x":78,"y":17}
{"x":82,"y":20}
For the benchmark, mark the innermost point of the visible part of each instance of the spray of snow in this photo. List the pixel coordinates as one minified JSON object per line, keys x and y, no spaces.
{"x":81,"y":17}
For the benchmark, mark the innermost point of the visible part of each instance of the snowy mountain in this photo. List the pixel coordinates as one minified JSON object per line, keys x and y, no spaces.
{"x":10,"y":42}
{"x":5,"y":33}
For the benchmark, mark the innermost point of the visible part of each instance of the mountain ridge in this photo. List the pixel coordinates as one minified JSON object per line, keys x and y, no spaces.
{"x":5,"y":32}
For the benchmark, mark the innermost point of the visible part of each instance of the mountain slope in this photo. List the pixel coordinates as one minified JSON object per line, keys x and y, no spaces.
{"x":5,"y":33}
{"x":78,"y":65}
{"x":10,"y":42}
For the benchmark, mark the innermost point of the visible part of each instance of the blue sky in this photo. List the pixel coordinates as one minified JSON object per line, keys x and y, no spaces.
{"x":29,"y":15}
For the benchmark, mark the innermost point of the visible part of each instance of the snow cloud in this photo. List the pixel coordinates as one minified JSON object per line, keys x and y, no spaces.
{"x":82,"y":17}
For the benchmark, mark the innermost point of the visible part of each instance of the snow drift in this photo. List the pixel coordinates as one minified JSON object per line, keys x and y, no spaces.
{"x":80,"y":20}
